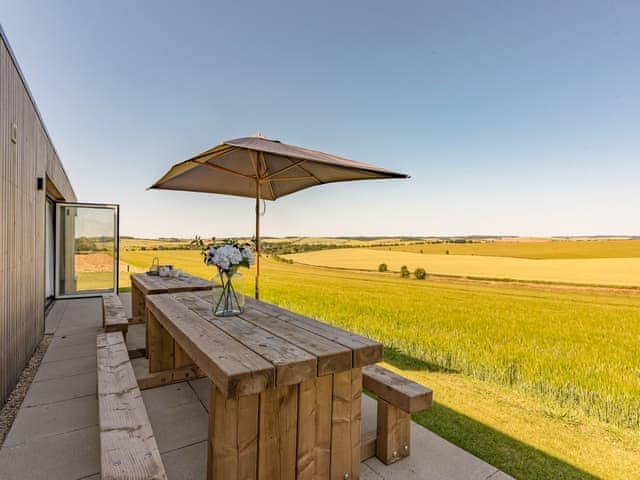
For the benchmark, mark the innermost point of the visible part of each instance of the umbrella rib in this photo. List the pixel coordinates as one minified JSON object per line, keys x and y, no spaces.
{"x":211,"y":154}
{"x":223,"y":169}
{"x":254,"y":163}
{"x":266,"y":169}
{"x":311,"y":175}
{"x":282,"y":170}
{"x":292,"y":179}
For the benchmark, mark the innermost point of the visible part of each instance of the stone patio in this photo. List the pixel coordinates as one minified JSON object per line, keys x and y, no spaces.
{"x":55,"y":435}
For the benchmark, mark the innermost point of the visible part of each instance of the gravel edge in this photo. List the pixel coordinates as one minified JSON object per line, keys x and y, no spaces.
{"x":10,"y":409}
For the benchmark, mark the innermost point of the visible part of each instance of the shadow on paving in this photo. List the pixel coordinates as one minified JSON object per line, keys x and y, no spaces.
{"x":500,"y":450}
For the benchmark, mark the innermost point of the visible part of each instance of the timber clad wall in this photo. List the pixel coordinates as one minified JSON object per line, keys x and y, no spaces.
{"x":22,"y":220}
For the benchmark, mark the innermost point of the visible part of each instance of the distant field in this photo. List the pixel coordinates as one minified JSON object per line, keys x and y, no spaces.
{"x":351,"y":242}
{"x":572,"y":357}
{"x":541,"y":249}
{"x":591,"y":271}
{"x":127,"y":243}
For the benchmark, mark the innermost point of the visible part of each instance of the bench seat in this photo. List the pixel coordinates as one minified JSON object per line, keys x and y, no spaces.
{"x":398,"y":398}
{"x":114,"y":316}
{"x":128,"y":449}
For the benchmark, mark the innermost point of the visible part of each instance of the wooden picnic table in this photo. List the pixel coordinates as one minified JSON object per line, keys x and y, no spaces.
{"x":143,"y":284}
{"x":285,"y":390}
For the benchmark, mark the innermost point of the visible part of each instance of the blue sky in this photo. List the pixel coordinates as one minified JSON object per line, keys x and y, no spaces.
{"x":511,"y":117}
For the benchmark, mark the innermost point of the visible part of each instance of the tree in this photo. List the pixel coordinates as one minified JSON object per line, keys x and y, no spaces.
{"x":85,"y":244}
{"x":197,"y":243}
{"x":382,"y":267}
{"x":404,"y":272}
{"x":420,"y":274}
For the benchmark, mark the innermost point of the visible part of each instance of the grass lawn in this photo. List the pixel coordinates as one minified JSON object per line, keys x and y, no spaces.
{"x":541,"y":384}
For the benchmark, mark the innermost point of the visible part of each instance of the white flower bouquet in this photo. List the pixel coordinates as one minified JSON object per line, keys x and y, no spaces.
{"x":228,"y":257}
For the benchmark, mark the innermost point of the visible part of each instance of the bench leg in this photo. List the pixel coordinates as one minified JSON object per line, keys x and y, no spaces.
{"x":393,"y":438}
{"x":346,"y":417}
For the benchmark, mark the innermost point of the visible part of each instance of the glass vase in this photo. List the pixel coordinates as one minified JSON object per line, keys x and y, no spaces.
{"x":227,"y":301}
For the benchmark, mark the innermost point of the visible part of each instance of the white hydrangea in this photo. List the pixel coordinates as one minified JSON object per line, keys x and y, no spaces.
{"x":227,"y":256}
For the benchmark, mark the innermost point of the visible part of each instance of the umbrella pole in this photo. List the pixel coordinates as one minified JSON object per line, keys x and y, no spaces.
{"x":257,"y":292}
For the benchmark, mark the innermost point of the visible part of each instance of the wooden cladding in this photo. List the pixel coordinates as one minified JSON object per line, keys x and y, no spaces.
{"x":26,"y":153}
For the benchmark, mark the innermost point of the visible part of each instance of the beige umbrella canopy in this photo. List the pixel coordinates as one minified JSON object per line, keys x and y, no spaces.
{"x":261,"y":168}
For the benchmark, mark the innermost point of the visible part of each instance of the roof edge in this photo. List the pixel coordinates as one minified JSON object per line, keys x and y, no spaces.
{"x":12,"y":55}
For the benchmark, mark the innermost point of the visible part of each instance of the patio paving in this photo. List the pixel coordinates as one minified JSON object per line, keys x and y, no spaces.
{"x":55,"y":435}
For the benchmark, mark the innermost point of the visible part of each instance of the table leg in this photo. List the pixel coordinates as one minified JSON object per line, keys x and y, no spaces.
{"x":345,"y":425}
{"x":233,"y":436}
{"x":278,"y":433}
{"x":137,"y":305}
{"x":181,"y":359}
{"x":314,"y":428}
{"x":161,"y":346}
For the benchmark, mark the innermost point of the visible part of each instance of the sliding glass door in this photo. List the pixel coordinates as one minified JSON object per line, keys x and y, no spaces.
{"x":86,"y":249}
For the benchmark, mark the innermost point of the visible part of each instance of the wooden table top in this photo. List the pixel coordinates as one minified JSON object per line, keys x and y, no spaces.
{"x":264,"y":347}
{"x":154,"y":284}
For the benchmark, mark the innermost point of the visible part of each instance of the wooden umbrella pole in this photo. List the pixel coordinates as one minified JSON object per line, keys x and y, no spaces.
{"x":257,"y":239}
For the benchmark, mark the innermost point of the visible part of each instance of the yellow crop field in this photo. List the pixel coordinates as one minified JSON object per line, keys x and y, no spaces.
{"x":536,"y":249}
{"x":590,"y":271}
{"x":127,"y":243}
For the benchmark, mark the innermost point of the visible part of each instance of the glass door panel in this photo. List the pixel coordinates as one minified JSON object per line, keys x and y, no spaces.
{"x":87,"y":249}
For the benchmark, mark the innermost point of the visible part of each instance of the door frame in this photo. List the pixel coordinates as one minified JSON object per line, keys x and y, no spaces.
{"x":50,"y":200}
{"x":116,"y":248}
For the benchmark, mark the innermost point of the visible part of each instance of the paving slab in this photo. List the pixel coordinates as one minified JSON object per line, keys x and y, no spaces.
{"x":125,"y":299}
{"x":75,"y":329}
{"x":201,"y":387}
{"x":66,"y":368}
{"x":78,"y":319}
{"x":59,"y":352}
{"x":499,"y":475}
{"x":177,"y":417}
{"x":54,"y":317}
{"x":136,"y":336}
{"x":140,"y":366}
{"x":367,"y":474}
{"x":58,"y":389}
{"x":188,"y":463}
{"x":369,"y":414}
{"x":82,"y":338}
{"x":179,"y":426}
{"x":68,"y":456}
{"x":52,"y":419}
{"x":166,"y":398}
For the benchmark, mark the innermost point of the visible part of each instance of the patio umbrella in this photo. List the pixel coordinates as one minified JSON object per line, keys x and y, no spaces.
{"x":263,"y":169}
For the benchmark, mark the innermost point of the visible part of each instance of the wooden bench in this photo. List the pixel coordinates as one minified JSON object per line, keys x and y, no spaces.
{"x":128,"y":449}
{"x":114,"y":316}
{"x":398,"y":398}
